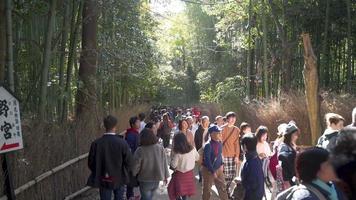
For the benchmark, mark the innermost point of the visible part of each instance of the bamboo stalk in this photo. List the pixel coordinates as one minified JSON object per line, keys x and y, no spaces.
{"x":47,"y":174}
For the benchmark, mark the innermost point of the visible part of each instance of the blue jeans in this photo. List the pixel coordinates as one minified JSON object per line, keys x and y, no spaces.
{"x":105,"y":194}
{"x":147,"y":189}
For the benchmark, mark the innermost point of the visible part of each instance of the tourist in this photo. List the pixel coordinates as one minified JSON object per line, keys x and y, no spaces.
{"x":153,"y":125}
{"x":192,"y":125}
{"x":179,"y":116}
{"x":316,"y":174}
{"x":252,"y":177}
{"x":344,"y":160}
{"x":151,"y":165}
{"x":108,"y":158}
{"x":244,"y":129}
{"x":132,"y":138}
{"x":142,"y":117}
{"x":263,"y":148}
{"x":231,"y":147}
{"x":165,"y":129}
{"x":183,"y":158}
{"x":334,"y":124}
{"x":219,"y":121}
{"x":201,"y":135}
{"x":212,"y":165}
{"x":287,"y":154}
{"x":183,"y":127}
{"x":273,"y":160}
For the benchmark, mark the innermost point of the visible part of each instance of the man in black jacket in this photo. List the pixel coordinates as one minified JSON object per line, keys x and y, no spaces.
{"x":109,"y":161}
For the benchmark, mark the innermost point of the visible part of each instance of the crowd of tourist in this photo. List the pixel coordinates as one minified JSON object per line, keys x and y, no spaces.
{"x":178,"y":145}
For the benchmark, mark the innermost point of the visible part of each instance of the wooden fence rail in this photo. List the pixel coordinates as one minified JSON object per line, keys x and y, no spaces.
{"x":47,"y":174}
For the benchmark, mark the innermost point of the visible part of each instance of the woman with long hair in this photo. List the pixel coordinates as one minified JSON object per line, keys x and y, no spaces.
{"x":183,"y":127}
{"x":263,"y":148}
{"x":183,"y":158}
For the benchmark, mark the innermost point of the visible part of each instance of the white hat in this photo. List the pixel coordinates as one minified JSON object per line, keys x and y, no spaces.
{"x":282,"y":129}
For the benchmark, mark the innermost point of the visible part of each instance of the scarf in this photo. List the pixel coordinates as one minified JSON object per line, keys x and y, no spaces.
{"x":329,"y":188}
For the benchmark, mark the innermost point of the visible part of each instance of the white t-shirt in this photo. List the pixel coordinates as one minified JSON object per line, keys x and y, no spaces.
{"x":204,"y":135}
{"x":194,"y":128}
{"x":184,"y":162}
{"x":263,"y":148}
{"x":142,"y":125}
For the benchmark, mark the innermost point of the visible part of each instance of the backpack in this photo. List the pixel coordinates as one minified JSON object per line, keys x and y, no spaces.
{"x":288,"y":194}
{"x":328,"y":141}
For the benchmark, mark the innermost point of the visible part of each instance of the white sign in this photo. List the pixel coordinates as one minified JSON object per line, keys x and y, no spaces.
{"x":10,"y":123}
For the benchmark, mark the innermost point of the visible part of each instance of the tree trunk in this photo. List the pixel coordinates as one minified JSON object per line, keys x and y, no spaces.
{"x":286,"y":67}
{"x":63,"y":47}
{"x":264,"y":40}
{"x":86,"y":96}
{"x":47,"y":59}
{"x":9,"y":45}
{"x":248,"y":70}
{"x":311,"y":82}
{"x":74,"y":27}
{"x":2,"y":42}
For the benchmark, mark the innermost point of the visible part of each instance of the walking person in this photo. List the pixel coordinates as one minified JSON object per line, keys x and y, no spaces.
{"x":245,"y":128}
{"x":264,"y":152}
{"x":201,"y":137}
{"x":344,"y":160}
{"x":109,"y":157}
{"x":273,"y":161}
{"x":142,"y":117}
{"x":317,"y":176}
{"x":287,"y":155}
{"x":151,"y":165}
{"x":183,"y":159}
{"x":165,"y":129}
{"x":132,"y":138}
{"x":212,"y":165}
{"x":219,"y":120}
{"x":252,"y":177}
{"x":263,"y":148}
{"x":183,"y":127}
{"x":231,"y":148}
{"x":192,"y":124}
{"x":334,"y":124}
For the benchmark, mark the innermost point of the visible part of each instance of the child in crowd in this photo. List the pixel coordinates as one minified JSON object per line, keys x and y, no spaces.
{"x":212,"y":165}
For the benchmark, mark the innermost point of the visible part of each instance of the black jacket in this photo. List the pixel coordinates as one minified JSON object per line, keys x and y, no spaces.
{"x":287,"y":156}
{"x":198,"y":137}
{"x":109,"y":161}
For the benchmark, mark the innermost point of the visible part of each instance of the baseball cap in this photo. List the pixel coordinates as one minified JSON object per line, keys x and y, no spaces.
{"x":213,"y":129}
